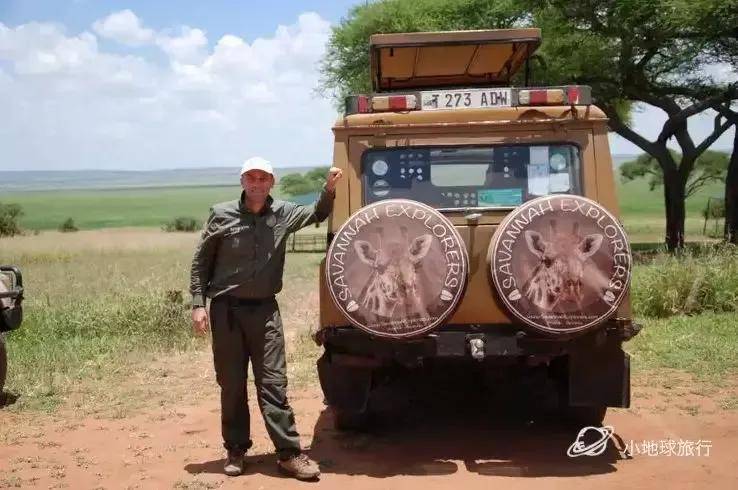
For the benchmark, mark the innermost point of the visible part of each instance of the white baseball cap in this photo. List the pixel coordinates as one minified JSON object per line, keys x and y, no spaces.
{"x":257,"y":163}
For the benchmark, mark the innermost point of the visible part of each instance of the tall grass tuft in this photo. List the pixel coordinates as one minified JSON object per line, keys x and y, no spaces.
{"x":182,"y":223}
{"x":696,"y":281}
{"x":60,"y":348}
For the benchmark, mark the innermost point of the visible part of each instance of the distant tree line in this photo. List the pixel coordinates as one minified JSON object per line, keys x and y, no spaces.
{"x":711,"y":166}
{"x":296,"y":184}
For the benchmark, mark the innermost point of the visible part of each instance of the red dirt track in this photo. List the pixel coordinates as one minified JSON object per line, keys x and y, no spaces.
{"x":179,"y":447}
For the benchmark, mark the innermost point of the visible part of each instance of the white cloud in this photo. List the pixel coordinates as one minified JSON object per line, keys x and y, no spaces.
{"x":124,"y":27}
{"x":44,"y":48}
{"x":721,"y":73}
{"x":68,"y":103}
{"x":189,"y":46}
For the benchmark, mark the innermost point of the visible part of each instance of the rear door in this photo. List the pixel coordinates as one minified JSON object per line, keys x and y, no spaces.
{"x":425,"y":151}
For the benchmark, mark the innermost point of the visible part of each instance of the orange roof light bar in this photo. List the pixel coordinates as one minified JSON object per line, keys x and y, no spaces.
{"x":566,"y":95}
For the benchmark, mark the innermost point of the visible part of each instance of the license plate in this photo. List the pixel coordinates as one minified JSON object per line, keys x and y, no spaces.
{"x":465,"y":99}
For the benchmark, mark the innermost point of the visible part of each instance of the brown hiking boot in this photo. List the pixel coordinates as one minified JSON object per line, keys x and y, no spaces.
{"x":300,"y":467}
{"x":234,"y":463}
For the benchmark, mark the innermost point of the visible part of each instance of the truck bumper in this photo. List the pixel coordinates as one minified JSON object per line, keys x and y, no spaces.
{"x":593,"y":366}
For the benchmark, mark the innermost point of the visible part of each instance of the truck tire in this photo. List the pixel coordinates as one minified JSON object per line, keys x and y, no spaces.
{"x":397,"y":268}
{"x":3,"y":364}
{"x":560,"y":264}
{"x":345,"y":420}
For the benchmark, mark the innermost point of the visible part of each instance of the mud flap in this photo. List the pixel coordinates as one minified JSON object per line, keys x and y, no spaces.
{"x":599,"y":377}
{"x":10,"y":318}
{"x":345,"y":387}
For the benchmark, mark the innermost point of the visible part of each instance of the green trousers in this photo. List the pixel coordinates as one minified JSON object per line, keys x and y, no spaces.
{"x":252,"y":330}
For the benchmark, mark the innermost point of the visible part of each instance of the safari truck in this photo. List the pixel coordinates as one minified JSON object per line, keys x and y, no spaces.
{"x":476,"y":230}
{"x":11,"y":312}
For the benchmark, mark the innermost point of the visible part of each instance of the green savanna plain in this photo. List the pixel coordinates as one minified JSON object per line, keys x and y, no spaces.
{"x":642,"y":210}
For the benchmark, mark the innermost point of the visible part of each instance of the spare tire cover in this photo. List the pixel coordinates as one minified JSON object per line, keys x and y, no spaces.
{"x":560,"y":264}
{"x":397,"y":268}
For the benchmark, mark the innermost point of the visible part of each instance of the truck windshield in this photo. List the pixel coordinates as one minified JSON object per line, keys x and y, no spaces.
{"x":471,"y":176}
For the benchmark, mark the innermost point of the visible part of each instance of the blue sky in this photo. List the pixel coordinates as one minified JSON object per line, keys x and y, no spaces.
{"x":194,"y":83}
{"x":249,"y":19}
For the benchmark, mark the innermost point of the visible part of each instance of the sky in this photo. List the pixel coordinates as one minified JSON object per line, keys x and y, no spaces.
{"x":136,"y":85}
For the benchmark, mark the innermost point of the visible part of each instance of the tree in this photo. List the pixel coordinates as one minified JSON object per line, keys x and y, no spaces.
{"x":724,"y":49}
{"x":712,"y":166}
{"x":316,"y":176}
{"x":68,"y":226}
{"x":9,"y":216}
{"x":296,"y":184}
{"x":731,"y":195}
{"x":731,"y":189}
{"x":646,"y":52}
{"x":628,"y":51}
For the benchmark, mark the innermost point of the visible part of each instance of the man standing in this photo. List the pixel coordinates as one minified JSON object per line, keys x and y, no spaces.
{"x":238,"y":264}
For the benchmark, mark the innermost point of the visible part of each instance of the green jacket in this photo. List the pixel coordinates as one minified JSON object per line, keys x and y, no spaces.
{"x":242,"y":253}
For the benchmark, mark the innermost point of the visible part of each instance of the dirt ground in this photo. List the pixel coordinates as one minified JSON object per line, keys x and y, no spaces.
{"x":171,"y":445}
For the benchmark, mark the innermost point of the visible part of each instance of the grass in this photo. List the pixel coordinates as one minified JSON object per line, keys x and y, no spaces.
{"x":93,"y":209}
{"x":701,"y":279}
{"x":688,"y":305}
{"x":636,"y":200}
{"x":642,"y":210}
{"x":119,"y":208}
{"x":704,"y":345}
{"x":101,"y":302}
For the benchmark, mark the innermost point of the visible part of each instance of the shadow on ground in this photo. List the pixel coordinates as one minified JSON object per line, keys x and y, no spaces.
{"x":265,"y":464}
{"x":435,"y":444}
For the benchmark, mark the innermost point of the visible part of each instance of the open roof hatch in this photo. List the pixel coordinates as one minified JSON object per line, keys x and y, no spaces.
{"x":449,"y":59}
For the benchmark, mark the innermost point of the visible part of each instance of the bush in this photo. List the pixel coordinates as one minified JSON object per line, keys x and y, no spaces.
{"x":9,"y":215}
{"x":297,"y":184}
{"x":68,"y":226}
{"x":183,"y":223}
{"x":695,"y":281}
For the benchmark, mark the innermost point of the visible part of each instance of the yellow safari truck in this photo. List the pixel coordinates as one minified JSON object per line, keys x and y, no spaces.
{"x":476,"y":232}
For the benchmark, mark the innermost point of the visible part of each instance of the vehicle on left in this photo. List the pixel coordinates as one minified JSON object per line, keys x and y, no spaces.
{"x":11,"y":311}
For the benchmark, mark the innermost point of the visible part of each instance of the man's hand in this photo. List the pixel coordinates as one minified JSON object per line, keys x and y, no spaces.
{"x":200,"y":321}
{"x":334,"y":175}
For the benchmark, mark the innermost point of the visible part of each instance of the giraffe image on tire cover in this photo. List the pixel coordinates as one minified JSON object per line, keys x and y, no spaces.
{"x":561,"y":264}
{"x":397,"y":268}
{"x":558,"y":276}
{"x":393,"y":284}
